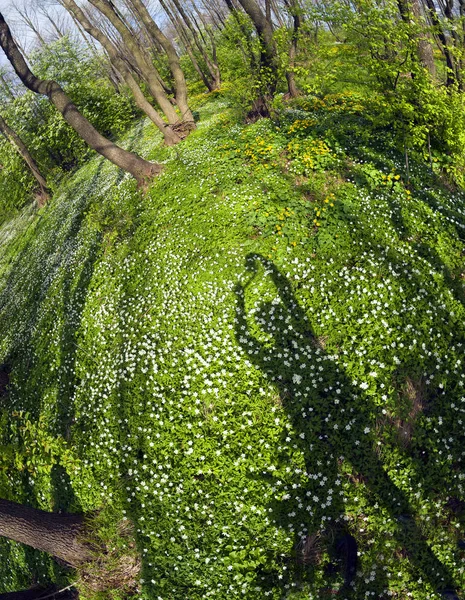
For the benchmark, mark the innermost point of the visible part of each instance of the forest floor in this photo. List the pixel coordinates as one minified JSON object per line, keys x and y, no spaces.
{"x":259,"y":362}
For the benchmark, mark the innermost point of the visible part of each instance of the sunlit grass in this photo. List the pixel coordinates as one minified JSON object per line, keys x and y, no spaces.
{"x":255,"y":363}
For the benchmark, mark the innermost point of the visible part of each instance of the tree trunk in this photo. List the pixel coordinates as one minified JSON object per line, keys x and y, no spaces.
{"x":128,"y":161}
{"x":187,"y":45}
{"x":452,"y":76}
{"x":21,"y":147}
{"x":39,"y":593}
{"x":54,"y":533}
{"x":264,"y":30}
{"x":170,"y":136}
{"x":250,"y":49}
{"x":411,"y":9}
{"x":173,"y":60}
{"x":143,"y":62}
{"x":268,"y":55}
{"x":211,"y":65}
{"x":294,"y":9}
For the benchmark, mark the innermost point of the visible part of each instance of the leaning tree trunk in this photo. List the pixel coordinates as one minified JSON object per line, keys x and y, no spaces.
{"x":170,"y":136}
{"x":425,"y":48}
{"x":21,"y":147}
{"x":173,"y":60}
{"x":264,"y":30}
{"x":243,"y":29}
{"x":146,"y":67}
{"x":184,"y":39}
{"x":54,"y":533}
{"x":128,"y":161}
{"x":452,"y":77}
{"x":211,"y":65}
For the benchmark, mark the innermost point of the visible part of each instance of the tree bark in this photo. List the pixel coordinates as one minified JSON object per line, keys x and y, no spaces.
{"x":294,"y":9}
{"x":170,"y":136}
{"x":411,"y":10}
{"x":250,"y":50}
{"x":54,"y":533}
{"x":145,"y":65}
{"x":128,"y":161}
{"x":21,"y":147}
{"x":39,"y":593}
{"x":211,"y":65}
{"x":180,"y":30}
{"x":452,"y":77}
{"x":173,"y":60}
{"x":264,"y":30}
{"x":268,"y":55}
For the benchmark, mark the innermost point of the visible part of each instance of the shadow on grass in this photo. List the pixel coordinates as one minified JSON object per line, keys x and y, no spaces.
{"x":333,"y":423}
{"x":31,"y":275}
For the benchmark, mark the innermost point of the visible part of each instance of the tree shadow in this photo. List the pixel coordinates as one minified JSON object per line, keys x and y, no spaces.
{"x":27,"y":286}
{"x":31,"y":274}
{"x":428,"y":251}
{"x":335,"y":431}
{"x":74,"y":293}
{"x":424,"y":270}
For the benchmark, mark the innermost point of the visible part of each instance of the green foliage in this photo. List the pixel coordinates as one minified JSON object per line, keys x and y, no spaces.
{"x":85,"y":81}
{"x":248,"y":363}
{"x":16,"y":182}
{"x":262,"y":357}
{"x":55,"y":146}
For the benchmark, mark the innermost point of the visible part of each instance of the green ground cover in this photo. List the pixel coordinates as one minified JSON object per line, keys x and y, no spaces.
{"x":256,"y":362}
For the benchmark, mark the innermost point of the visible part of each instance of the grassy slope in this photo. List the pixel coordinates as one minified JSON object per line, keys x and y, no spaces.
{"x":262,"y":355}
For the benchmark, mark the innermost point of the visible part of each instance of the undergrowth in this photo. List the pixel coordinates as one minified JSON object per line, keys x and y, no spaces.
{"x":259,"y":363}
